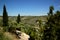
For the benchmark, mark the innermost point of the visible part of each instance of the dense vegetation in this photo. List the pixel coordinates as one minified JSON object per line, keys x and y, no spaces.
{"x":48,"y":29}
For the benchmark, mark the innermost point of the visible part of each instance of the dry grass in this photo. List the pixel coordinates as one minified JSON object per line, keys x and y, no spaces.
{"x":11,"y":36}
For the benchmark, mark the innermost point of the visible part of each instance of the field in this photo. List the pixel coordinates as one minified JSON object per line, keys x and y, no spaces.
{"x":29,"y":19}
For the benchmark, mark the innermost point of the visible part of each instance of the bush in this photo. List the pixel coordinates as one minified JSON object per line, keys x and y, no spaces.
{"x":5,"y":29}
{"x":12,"y":29}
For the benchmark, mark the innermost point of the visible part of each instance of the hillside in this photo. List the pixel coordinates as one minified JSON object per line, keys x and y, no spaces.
{"x":27,"y":24}
{"x":29,"y":19}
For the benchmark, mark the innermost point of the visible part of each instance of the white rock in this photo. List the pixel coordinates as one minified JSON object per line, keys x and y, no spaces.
{"x":22,"y":35}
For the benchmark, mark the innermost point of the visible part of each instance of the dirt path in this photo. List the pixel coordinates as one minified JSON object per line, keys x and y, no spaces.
{"x":23,"y":36}
{"x":10,"y":35}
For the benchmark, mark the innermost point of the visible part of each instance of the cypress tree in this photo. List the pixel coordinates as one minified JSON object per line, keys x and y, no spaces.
{"x":48,"y":32}
{"x":5,"y":16}
{"x":18,"y":18}
{"x":51,"y":8}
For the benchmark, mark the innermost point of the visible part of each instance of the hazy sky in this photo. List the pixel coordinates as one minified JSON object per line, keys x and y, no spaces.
{"x":28,"y":7}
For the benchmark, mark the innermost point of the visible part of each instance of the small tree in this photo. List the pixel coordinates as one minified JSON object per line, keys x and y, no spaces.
{"x":5,"y":16}
{"x":18,"y":18}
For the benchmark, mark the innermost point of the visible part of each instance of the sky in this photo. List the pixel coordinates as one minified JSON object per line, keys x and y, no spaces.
{"x":28,"y":7}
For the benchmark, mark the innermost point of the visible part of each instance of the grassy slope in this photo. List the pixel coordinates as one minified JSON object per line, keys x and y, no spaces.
{"x":31,"y":20}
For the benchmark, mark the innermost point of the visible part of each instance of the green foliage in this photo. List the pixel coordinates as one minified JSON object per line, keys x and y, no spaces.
{"x":5,"y":17}
{"x":57,"y":24}
{"x":48,"y":32}
{"x":5,"y":29}
{"x":52,"y":26}
{"x":1,"y":35}
{"x":12,"y":27}
{"x":34,"y":33}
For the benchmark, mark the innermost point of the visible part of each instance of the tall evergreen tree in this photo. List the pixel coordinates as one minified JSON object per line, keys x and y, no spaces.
{"x":18,"y":18}
{"x":51,"y":10}
{"x":5,"y":16}
{"x":48,"y":32}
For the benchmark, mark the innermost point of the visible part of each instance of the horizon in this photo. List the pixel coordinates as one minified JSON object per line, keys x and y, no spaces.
{"x":28,"y":7}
